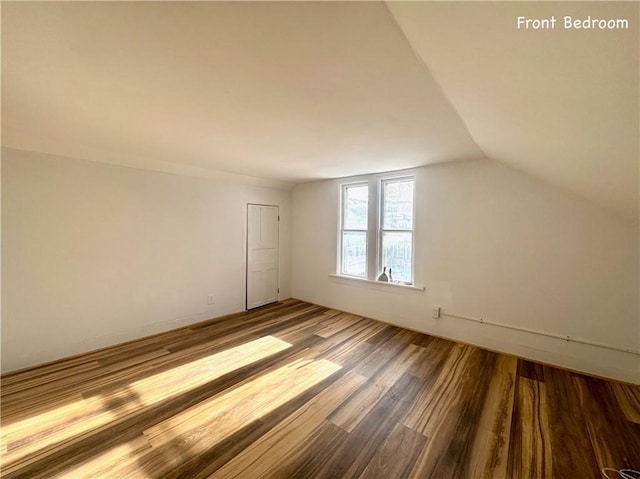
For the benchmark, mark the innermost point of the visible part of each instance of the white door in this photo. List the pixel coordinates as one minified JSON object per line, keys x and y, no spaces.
{"x":262,"y":255}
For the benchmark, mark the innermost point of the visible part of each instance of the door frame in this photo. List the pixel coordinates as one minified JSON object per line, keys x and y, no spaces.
{"x":246,"y":256}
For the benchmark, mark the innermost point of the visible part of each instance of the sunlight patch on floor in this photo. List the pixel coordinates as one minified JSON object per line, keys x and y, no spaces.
{"x":174,"y":441}
{"x":28,"y":436}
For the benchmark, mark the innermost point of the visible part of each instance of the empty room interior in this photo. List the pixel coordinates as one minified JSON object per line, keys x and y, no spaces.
{"x":320,"y":240}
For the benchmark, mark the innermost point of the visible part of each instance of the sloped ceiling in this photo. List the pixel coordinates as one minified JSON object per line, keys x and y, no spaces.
{"x":560,"y":104}
{"x":293,"y":92}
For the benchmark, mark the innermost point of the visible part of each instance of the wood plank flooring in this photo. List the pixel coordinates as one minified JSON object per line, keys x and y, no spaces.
{"x":295,"y":390}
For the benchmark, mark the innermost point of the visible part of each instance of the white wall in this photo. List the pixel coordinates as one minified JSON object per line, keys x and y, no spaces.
{"x":492,"y":242}
{"x":96,"y":254}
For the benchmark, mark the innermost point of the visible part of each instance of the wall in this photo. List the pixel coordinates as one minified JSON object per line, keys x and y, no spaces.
{"x":96,"y":254}
{"x":492,"y":242}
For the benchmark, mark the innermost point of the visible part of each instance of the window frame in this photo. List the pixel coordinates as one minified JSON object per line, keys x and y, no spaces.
{"x":374,"y":232}
{"x":343,"y":204}
{"x":380,"y":230}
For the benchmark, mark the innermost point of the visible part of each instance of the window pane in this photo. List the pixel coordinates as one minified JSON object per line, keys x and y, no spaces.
{"x":354,"y":253}
{"x":398,"y":205}
{"x":396,"y":254}
{"x":356,"y":203}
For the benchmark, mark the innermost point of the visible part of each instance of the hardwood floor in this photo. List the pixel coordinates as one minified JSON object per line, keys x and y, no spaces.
{"x":294,"y":390}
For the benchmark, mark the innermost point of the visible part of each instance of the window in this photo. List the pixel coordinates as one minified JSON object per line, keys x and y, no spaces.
{"x":355,"y":218}
{"x":396,"y":232}
{"x":367,"y":245}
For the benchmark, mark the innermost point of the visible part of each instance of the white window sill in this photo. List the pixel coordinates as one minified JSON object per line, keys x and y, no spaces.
{"x":382,"y":284}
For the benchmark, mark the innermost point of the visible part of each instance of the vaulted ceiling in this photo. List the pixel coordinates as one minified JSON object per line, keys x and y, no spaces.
{"x":298,"y":91}
{"x":560,"y":104}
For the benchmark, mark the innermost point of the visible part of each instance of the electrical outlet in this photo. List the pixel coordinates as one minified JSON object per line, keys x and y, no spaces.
{"x":209,"y":299}
{"x":435,"y":312}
